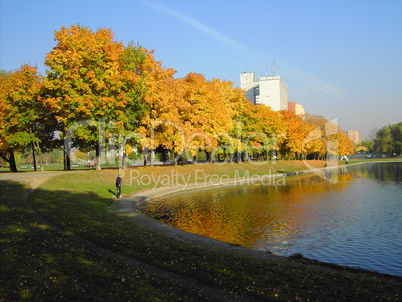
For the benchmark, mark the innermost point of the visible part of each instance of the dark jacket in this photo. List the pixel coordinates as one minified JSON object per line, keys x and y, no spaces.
{"x":118,"y":181}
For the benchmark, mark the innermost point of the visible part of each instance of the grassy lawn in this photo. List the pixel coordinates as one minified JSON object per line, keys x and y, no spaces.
{"x":41,"y":263}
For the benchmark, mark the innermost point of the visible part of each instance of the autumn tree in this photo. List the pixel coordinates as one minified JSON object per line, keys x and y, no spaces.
{"x":203,"y":114}
{"x":98,"y":90}
{"x":160,"y":125}
{"x":185,"y":114}
{"x":257,"y":128}
{"x":262,"y":127}
{"x":22,"y":116}
{"x":93,"y":83}
{"x":235,"y":142}
{"x":6,"y":150}
{"x":345,"y":145}
{"x":291,"y":143}
{"x":315,"y":143}
{"x":325,"y":139}
{"x":236,"y":106}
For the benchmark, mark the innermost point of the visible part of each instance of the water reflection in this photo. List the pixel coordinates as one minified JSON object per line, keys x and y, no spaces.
{"x":351,"y":222}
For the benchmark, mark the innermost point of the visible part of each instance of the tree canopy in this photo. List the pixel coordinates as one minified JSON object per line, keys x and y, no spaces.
{"x":99,"y":92}
{"x":388,"y":140}
{"x":22,"y":116}
{"x":93,"y":78}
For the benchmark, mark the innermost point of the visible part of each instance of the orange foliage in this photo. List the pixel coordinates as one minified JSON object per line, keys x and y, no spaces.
{"x":93,"y":77}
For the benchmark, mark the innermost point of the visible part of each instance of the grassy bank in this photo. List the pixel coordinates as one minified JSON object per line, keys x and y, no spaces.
{"x":89,"y":257}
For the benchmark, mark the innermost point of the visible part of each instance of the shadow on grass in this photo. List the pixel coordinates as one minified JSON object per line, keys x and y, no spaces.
{"x":41,"y":264}
{"x":114,"y":193}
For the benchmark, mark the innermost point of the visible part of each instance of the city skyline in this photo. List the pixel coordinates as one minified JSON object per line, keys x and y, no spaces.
{"x":340,"y":60}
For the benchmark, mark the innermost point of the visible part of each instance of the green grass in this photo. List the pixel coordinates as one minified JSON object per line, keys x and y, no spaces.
{"x":371,"y":160}
{"x":39,"y":263}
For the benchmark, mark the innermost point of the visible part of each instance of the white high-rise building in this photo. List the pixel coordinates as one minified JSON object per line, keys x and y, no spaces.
{"x":270,"y":90}
{"x":247,"y":83}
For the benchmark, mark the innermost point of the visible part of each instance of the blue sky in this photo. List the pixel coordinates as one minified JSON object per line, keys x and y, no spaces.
{"x":340,"y":59}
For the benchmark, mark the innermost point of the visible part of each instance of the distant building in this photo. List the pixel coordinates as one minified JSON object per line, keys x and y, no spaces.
{"x":354,"y":136}
{"x":270,"y":90}
{"x":247,"y":83}
{"x":297,"y":109}
{"x":292,"y":106}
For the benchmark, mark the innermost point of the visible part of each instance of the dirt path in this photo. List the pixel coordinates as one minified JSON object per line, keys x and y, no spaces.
{"x":34,"y":179}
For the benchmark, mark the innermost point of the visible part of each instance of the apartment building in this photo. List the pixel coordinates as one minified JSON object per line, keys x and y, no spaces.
{"x":297,"y":109}
{"x":269,"y":90}
{"x":354,"y":136}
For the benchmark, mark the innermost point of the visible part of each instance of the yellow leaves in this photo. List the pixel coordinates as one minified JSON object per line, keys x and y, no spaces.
{"x":89,"y":77}
{"x":20,"y":106}
{"x":314,"y":134}
{"x":90,"y":74}
{"x":93,"y":76}
{"x":345,"y":145}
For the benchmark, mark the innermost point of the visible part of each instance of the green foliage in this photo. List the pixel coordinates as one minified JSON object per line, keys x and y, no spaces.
{"x":24,"y":120}
{"x":368,"y":144}
{"x":389,"y":140}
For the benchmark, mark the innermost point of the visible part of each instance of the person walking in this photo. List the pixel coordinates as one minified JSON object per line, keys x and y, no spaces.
{"x":118,"y":186}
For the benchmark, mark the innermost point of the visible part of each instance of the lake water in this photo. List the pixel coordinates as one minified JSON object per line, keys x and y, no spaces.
{"x":355,"y":220}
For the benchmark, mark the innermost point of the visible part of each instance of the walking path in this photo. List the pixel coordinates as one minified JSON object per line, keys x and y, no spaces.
{"x":35,"y":179}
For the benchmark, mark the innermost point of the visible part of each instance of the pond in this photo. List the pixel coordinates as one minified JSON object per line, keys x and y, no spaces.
{"x":355,"y":220}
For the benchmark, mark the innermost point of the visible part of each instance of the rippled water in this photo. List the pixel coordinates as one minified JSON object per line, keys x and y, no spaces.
{"x":356,"y":221}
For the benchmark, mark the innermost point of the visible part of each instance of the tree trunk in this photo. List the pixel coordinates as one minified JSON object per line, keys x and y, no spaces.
{"x":33,"y":156}
{"x":67,"y":151}
{"x":151,"y":158}
{"x":209,"y":157}
{"x":10,"y":159}
{"x":67,"y":161}
{"x":124,"y":161}
{"x":13,"y":165}
{"x":42,"y":167}
{"x":98,"y":157}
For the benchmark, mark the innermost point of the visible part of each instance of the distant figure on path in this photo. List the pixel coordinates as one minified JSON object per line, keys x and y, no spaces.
{"x":345,"y":158}
{"x":118,"y":186}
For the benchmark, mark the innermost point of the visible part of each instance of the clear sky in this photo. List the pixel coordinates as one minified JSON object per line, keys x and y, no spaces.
{"x":341,"y":58}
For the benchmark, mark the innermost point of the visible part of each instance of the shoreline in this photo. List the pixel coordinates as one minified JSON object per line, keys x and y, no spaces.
{"x":128,"y":209}
{"x":146,"y":195}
